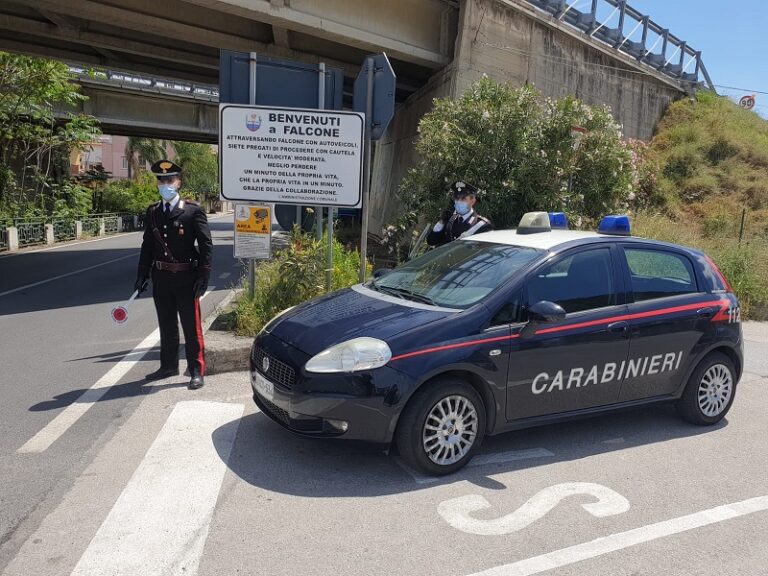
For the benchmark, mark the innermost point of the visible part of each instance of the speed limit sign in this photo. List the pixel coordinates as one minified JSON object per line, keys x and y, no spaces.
{"x":747,"y":102}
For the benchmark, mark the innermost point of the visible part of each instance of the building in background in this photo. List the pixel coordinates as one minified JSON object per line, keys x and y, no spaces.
{"x":109,"y":152}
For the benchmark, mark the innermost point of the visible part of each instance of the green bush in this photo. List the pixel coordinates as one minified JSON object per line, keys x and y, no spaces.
{"x":293,"y":275}
{"x":518,"y":147}
{"x":133,"y":196}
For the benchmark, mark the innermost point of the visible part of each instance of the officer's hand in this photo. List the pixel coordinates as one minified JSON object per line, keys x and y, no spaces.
{"x":446,"y":215}
{"x":200,"y":286}
{"x":141,"y":283}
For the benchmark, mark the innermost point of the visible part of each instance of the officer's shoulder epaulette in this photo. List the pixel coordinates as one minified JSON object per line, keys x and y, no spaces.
{"x":191,"y":202}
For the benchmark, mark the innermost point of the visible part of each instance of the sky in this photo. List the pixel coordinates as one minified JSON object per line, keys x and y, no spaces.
{"x":732,"y":36}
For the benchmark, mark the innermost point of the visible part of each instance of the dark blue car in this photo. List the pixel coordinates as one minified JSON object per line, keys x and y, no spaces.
{"x":502,"y":331}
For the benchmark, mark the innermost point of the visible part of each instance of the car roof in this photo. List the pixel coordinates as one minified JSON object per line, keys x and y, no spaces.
{"x":542,"y":240}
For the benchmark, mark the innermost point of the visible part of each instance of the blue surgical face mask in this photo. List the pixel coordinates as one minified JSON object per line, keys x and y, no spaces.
{"x":462,"y":207}
{"x":167,"y":191}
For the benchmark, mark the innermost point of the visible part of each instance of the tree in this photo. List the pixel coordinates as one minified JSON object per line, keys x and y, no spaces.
{"x":519,"y":149}
{"x":35,"y":140}
{"x":200,"y":166}
{"x":147,"y":149}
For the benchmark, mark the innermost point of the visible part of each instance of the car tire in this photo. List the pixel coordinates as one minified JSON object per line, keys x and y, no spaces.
{"x":441,"y":427}
{"x":710,"y":391}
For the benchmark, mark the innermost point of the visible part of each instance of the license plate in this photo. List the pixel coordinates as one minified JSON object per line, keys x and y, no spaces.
{"x":263,"y":386}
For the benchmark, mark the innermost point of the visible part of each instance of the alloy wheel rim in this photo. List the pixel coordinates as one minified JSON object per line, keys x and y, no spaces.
{"x":450,"y":430}
{"x":715,"y":390}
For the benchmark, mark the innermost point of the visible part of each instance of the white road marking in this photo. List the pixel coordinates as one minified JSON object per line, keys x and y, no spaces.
{"x":457,"y":511}
{"x":614,"y":542}
{"x":60,"y":276}
{"x":160,"y":522}
{"x":72,"y":413}
{"x":480,"y":460}
{"x":224,"y":275}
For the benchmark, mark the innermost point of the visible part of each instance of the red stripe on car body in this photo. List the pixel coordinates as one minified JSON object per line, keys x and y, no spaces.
{"x":648,"y":314}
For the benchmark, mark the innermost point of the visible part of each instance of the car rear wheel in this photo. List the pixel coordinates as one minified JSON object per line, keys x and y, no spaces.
{"x":442,"y":427}
{"x":710,"y":391}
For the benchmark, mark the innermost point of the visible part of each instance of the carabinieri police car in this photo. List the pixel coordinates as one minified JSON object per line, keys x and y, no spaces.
{"x":501,"y":331}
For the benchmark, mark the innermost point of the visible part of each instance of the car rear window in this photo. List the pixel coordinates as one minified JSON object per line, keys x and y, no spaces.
{"x":659,"y":273}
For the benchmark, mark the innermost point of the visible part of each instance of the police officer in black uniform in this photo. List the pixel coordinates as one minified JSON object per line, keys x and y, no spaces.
{"x":179,"y":271}
{"x":461,"y":220}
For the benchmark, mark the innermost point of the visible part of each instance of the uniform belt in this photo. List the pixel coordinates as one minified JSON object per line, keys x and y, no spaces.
{"x":175,"y":266}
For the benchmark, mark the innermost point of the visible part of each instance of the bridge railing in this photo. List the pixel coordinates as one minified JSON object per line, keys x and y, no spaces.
{"x":674,"y":57}
{"x":146,"y":83}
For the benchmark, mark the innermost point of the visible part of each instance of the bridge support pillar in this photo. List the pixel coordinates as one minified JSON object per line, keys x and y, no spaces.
{"x":13,"y":238}
{"x":49,"y":237}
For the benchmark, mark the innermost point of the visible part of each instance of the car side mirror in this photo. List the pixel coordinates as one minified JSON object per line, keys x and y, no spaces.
{"x":379,"y":272}
{"x":545,"y":312}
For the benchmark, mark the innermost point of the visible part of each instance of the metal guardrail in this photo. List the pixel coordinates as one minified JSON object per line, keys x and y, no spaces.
{"x":3,"y":238}
{"x":31,"y":233}
{"x":208,"y":92}
{"x":111,"y":224}
{"x":64,"y":230}
{"x":91,"y":225}
{"x":623,"y":16}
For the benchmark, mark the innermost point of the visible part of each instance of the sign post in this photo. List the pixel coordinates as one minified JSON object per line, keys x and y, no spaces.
{"x":374,"y":93}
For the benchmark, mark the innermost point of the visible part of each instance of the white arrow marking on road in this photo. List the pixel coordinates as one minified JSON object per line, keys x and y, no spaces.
{"x":457,"y":511}
{"x":160,"y":522}
{"x":72,"y":413}
{"x":224,"y":275}
{"x":614,"y":542}
{"x":60,"y":276}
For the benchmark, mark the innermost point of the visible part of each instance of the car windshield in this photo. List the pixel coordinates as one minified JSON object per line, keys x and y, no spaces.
{"x":456,"y":275}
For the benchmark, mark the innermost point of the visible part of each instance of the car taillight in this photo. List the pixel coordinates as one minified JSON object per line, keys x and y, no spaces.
{"x":719,"y":274}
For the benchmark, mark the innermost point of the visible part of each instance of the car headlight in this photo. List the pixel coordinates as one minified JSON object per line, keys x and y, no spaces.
{"x":351,"y":356}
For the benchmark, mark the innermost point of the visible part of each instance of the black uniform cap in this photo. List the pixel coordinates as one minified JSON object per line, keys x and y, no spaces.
{"x":165,"y":168}
{"x":461,"y":188}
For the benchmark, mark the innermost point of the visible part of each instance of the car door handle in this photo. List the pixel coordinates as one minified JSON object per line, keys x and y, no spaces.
{"x":705,"y":312}
{"x":619,"y":328}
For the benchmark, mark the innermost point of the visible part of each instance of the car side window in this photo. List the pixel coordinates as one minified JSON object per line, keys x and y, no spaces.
{"x":581,"y":281}
{"x":659,"y":273}
{"x":510,"y":312}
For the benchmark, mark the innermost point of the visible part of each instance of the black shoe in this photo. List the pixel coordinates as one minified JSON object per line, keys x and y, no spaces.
{"x":162,"y":373}
{"x":196,"y":382}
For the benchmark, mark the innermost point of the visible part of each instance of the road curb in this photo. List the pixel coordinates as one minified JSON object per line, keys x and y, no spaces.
{"x":225,"y":352}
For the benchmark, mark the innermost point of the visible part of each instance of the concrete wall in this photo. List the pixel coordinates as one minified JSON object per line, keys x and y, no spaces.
{"x":395,"y":152}
{"x":510,"y":41}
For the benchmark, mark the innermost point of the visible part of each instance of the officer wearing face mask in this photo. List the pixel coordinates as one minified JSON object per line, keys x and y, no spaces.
{"x":461,"y":220}
{"x":179,"y":272}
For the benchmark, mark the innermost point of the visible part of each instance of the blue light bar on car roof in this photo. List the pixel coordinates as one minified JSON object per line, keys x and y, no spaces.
{"x":615,"y":225}
{"x":558,"y":220}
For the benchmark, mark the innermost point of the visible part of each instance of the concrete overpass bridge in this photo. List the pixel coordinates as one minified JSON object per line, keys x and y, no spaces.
{"x":608,"y":54}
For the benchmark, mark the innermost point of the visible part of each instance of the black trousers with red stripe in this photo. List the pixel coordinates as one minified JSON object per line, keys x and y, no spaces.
{"x":175,"y":299}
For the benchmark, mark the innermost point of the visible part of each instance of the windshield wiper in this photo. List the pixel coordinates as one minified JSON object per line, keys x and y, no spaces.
{"x":408,"y":294}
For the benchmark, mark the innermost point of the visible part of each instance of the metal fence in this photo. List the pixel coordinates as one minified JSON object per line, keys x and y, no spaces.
{"x":111,"y":224}
{"x":31,"y":232}
{"x":91,"y":225}
{"x":64,"y":230}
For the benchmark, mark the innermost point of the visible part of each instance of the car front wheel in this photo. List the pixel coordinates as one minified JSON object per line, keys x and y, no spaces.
{"x":442,"y":427}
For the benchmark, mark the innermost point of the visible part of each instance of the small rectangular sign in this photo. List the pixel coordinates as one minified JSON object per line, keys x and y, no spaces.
{"x":253,"y":232}
{"x":290,"y":155}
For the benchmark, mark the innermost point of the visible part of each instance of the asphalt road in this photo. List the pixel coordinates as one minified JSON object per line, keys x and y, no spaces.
{"x":183,"y":483}
{"x":58,"y":339}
